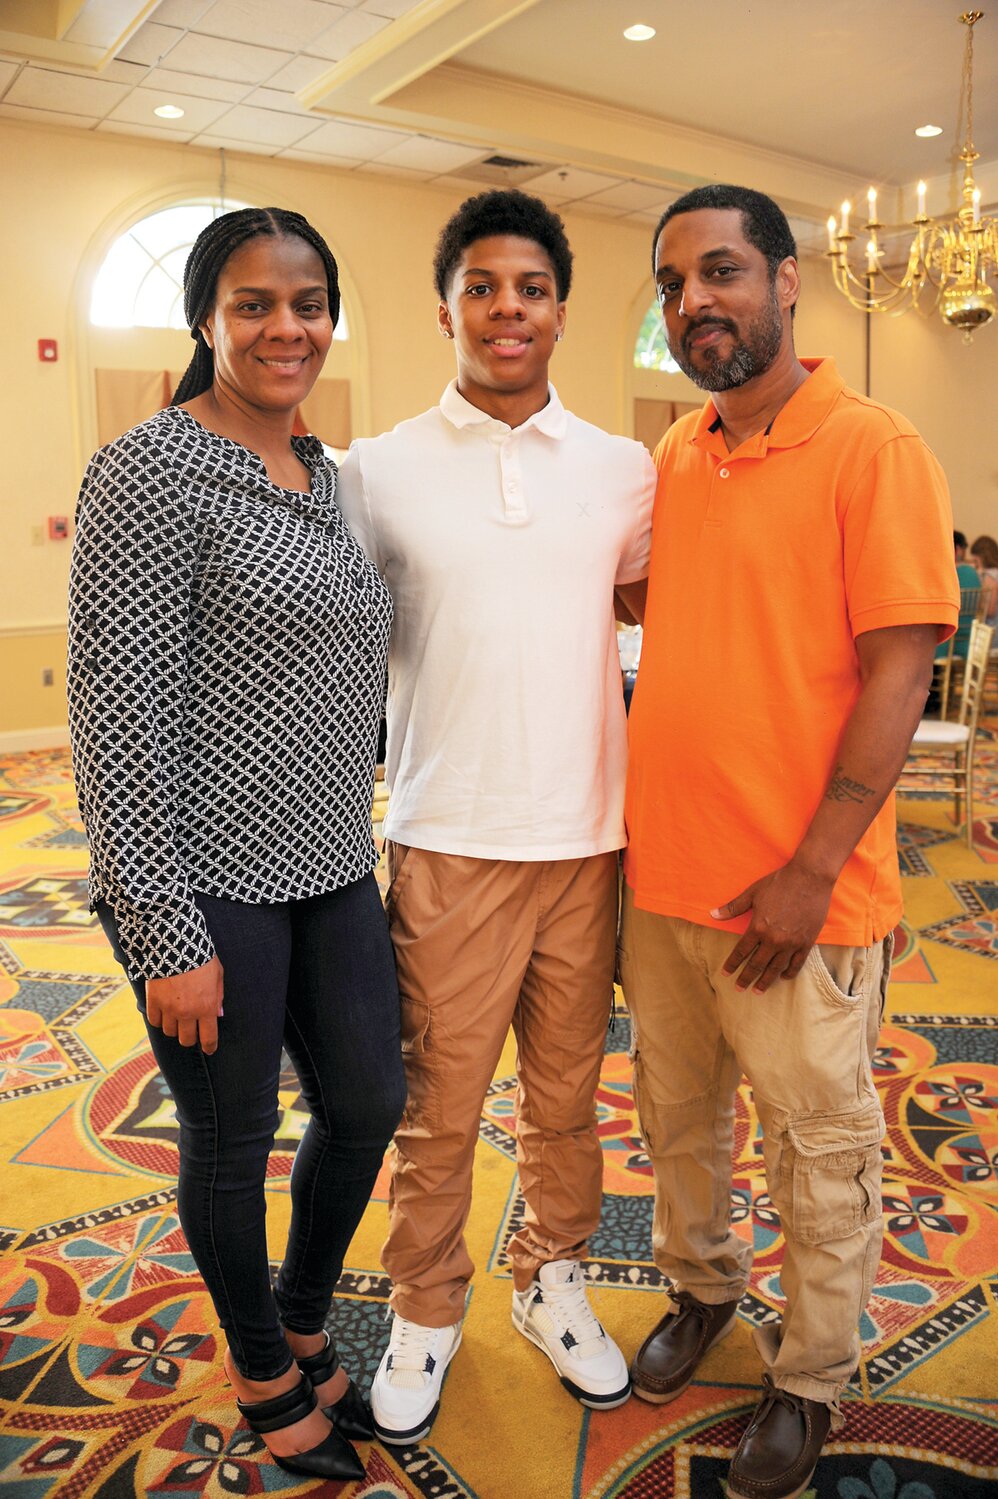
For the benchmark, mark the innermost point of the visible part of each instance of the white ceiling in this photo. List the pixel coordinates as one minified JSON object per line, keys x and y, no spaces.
{"x":838,"y":82}
{"x":806,"y":99}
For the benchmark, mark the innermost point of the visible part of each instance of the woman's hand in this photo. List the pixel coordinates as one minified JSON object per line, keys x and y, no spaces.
{"x":187,"y":1005}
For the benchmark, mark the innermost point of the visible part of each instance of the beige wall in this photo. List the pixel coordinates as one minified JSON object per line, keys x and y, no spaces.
{"x":68,"y":193}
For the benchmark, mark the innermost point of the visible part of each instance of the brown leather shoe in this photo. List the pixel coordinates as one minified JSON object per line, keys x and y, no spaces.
{"x":670,"y":1355}
{"x":780,"y":1448}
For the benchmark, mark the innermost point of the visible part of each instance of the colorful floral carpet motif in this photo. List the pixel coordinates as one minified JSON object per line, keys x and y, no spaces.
{"x":111,"y":1384}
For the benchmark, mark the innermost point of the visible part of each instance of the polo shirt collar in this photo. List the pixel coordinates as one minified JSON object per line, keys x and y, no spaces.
{"x":797,"y":421}
{"x":552,"y":419}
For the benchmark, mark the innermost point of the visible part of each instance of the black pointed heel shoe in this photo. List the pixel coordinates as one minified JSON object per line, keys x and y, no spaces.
{"x":333,"y":1458}
{"x":351,"y":1414}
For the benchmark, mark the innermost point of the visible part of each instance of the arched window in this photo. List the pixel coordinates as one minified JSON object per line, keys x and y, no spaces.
{"x":140,"y":284}
{"x":651,"y":352}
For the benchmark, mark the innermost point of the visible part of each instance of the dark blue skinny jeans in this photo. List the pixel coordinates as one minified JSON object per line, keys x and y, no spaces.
{"x":315,"y":977}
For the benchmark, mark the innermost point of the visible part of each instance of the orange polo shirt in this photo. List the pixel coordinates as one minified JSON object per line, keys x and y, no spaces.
{"x":766,"y":563}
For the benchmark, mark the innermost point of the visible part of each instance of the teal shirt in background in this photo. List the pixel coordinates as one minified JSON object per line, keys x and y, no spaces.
{"x":967,"y":576}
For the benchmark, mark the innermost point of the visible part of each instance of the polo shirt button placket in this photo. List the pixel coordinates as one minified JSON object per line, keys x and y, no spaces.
{"x":512,"y":489}
{"x":715,"y":510}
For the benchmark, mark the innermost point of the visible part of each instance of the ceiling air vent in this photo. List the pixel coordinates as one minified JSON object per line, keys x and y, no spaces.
{"x":507,"y":162}
{"x":502,"y":171}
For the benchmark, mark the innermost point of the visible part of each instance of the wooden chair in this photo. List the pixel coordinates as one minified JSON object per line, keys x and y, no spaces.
{"x":953,"y":742}
{"x":992,"y":671}
{"x":955,"y":650}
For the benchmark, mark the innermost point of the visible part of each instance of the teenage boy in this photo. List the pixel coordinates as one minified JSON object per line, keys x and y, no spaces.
{"x":501,"y":523}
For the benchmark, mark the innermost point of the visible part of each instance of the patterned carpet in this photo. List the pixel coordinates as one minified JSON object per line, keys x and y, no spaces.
{"x":110,"y":1377}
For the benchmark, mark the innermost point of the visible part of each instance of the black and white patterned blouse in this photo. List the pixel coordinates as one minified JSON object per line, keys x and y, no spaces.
{"x":227,"y":653}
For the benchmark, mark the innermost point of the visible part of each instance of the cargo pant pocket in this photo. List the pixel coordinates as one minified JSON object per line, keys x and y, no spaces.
{"x":423,"y":1103}
{"x":827,"y":1178}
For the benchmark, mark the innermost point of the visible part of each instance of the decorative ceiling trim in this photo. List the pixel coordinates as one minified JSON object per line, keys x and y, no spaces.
{"x":39,"y":29}
{"x":408,"y":77}
{"x":414,"y":45}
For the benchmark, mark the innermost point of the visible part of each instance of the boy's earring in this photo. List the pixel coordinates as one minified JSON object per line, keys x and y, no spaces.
{"x":557,"y":338}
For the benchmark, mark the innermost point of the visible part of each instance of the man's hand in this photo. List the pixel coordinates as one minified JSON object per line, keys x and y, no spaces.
{"x":187,"y":1005}
{"x":788,"y":909}
{"x":790,"y":905}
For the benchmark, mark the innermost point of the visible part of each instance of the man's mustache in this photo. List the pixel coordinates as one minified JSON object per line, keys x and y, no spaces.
{"x":692,"y":329}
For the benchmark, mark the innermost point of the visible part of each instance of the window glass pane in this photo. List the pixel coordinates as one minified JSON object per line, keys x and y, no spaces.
{"x":173,"y":226}
{"x":114,"y":288}
{"x":176,"y":316}
{"x":651,"y":352}
{"x":155,"y":296}
{"x":173,"y":262}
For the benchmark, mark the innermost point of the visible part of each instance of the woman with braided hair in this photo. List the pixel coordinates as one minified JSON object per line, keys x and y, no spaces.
{"x":228,"y":640}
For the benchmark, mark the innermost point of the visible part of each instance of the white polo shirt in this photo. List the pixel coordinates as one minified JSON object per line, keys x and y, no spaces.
{"x":501,"y":546}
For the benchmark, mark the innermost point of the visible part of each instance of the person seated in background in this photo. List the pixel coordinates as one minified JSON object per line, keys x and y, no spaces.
{"x":984,"y":556}
{"x":502,"y":525}
{"x":969,"y":581}
{"x":960,"y":549}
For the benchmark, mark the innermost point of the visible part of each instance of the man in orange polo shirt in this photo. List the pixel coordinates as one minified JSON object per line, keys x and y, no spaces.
{"x":801,"y":577}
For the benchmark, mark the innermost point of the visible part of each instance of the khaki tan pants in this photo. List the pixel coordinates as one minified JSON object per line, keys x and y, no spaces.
{"x":806,"y":1047}
{"x":481,"y":944}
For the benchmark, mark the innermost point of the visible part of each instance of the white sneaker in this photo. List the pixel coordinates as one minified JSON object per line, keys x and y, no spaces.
{"x":405,"y":1395}
{"x":554,"y":1313}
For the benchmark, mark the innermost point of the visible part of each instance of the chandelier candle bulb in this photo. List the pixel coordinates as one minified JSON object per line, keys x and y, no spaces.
{"x":871,"y":255}
{"x":871,"y":199}
{"x":921,"y":200}
{"x":846,"y":210}
{"x":832,"y":226}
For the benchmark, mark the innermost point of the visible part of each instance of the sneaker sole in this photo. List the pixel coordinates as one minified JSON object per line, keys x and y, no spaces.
{"x":406,"y":1438}
{"x":584,"y":1397}
{"x":655,"y":1397}
{"x":393,"y":1438}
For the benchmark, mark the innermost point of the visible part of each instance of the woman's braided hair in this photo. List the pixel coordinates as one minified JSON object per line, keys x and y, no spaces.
{"x":212,"y":249}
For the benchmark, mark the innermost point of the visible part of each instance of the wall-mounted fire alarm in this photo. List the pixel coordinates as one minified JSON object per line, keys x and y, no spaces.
{"x":48,"y":350}
{"x":58,"y":527}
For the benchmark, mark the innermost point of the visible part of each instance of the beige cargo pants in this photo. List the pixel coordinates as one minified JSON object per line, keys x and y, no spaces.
{"x":806,"y":1047}
{"x":482,"y":944}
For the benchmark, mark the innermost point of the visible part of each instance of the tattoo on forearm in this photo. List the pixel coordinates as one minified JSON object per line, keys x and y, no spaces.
{"x":842,"y":789}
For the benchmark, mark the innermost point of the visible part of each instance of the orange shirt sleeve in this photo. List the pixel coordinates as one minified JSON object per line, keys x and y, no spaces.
{"x":897,"y":528}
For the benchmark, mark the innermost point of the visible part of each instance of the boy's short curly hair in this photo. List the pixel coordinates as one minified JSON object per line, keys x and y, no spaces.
{"x":505,"y":211}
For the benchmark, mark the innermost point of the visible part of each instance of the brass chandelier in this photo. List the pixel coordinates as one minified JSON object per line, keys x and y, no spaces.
{"x":950,"y":262}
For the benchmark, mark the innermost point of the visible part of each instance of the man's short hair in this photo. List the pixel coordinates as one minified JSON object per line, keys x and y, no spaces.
{"x":959,"y":540}
{"x":764,"y":223}
{"x":503,"y":211}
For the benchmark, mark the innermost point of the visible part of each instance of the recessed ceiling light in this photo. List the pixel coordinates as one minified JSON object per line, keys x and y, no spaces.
{"x":169,"y":112}
{"x":639,"y":33}
{"x":929,"y":130}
